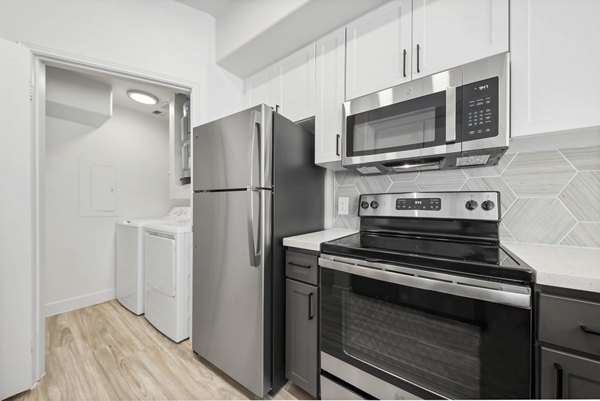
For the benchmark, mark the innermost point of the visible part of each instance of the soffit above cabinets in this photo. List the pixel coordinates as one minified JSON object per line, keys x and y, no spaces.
{"x":252,"y":34}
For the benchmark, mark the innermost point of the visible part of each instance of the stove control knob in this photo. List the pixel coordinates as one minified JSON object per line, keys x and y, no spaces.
{"x":487,"y":205}
{"x":374,"y":204}
{"x":364,"y":204}
{"x":471,"y":205}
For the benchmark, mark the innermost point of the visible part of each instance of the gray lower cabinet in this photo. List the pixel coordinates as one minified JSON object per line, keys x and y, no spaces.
{"x":301,"y":347}
{"x":569,"y":344}
{"x":568,"y":376}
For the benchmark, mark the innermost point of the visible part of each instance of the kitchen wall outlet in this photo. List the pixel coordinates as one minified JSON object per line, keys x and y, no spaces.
{"x":343,"y":205}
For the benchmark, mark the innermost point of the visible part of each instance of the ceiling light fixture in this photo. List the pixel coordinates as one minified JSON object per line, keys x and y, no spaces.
{"x":142,"y":97}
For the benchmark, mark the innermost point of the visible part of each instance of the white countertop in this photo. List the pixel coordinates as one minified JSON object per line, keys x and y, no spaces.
{"x":312,"y":241}
{"x":561,"y":266}
{"x":557,"y":266}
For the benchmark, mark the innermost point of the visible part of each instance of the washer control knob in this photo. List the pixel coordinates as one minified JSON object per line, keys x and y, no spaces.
{"x":364,"y":204}
{"x":487,"y":205}
{"x":471,"y":205}
{"x":374,"y":204}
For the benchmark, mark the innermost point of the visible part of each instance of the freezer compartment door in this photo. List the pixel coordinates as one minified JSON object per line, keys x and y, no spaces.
{"x":231,"y":279}
{"x":234,"y":152}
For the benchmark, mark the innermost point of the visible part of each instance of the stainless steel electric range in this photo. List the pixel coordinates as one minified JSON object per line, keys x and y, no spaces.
{"x":425,"y":302}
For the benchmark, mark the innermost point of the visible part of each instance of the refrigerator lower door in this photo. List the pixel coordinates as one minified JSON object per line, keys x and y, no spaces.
{"x":231,"y":284}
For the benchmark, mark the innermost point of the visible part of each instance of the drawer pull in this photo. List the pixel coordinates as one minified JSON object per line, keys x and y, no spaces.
{"x":589,"y":331}
{"x":299,"y":265}
{"x":559,"y":380}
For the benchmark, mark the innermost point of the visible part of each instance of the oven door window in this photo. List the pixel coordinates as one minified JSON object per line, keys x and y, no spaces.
{"x":412,"y":124}
{"x":416,"y":339}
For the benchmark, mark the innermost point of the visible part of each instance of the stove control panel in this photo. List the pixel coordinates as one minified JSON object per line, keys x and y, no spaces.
{"x":418,"y":204}
{"x":441,"y":205}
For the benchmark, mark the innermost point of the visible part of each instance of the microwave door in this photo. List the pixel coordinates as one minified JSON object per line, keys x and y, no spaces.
{"x":413,"y":128}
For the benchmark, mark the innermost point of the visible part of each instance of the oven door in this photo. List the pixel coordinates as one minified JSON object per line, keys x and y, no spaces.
{"x":413,"y":120}
{"x":433,"y":335}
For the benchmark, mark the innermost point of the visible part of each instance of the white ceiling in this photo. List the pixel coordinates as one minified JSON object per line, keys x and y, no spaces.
{"x":213,"y":7}
{"x":120,"y":86}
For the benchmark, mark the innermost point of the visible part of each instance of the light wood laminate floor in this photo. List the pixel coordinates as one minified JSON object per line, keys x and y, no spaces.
{"x":105,"y":352}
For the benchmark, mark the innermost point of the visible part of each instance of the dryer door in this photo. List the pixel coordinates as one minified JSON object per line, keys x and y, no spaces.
{"x":159,"y":262}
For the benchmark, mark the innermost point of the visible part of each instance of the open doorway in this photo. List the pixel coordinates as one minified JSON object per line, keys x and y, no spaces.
{"x":101,"y":158}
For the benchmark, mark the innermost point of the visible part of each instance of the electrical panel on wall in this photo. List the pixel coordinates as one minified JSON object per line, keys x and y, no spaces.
{"x":180,"y":147}
{"x":98,"y":183}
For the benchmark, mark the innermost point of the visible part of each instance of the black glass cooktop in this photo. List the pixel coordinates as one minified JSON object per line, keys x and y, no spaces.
{"x":472,"y":258}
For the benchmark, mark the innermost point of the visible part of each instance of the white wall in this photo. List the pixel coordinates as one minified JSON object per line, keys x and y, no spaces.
{"x":80,"y":251}
{"x":159,"y":36}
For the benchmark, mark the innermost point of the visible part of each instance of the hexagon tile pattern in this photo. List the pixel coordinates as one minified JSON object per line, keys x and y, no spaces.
{"x":539,"y":220}
{"x":583,"y":158}
{"x":404,"y":186}
{"x":445,"y":180}
{"x":582,"y":196}
{"x":373,"y":184}
{"x":538,"y":173}
{"x":584,"y":234}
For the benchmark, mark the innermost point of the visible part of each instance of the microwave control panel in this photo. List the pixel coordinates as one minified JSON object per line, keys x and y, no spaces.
{"x":480,"y":109}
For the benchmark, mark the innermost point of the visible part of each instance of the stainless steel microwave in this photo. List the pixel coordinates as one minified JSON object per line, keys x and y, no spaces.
{"x":456,"y":118}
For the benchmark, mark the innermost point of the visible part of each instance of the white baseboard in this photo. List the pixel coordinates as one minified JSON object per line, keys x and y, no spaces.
{"x":69,"y":304}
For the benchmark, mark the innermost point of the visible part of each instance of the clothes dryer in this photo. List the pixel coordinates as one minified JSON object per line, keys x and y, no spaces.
{"x":168,"y":269}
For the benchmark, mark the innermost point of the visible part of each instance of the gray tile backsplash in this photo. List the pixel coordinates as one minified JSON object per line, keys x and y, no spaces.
{"x":547,"y":197}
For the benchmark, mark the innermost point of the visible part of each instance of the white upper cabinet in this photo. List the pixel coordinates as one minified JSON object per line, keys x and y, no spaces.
{"x":449,"y":33}
{"x":260,"y":87}
{"x":555,"y":54}
{"x":330,"y":63}
{"x":295,"y":84}
{"x":378,"y":49}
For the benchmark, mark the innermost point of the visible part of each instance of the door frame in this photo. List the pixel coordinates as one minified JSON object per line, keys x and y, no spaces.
{"x":43,"y":57}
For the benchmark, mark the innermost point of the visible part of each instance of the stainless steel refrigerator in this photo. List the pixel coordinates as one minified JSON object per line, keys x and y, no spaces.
{"x":255,"y":182}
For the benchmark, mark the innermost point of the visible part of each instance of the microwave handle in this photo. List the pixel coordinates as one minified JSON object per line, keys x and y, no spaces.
{"x":451,"y":114}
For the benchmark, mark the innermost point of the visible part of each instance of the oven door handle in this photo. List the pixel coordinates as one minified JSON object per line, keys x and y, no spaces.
{"x":500,"y":293}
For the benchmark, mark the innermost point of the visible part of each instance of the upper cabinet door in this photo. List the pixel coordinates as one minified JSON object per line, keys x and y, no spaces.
{"x":330,"y":98}
{"x":295,"y":84}
{"x":555,"y":54}
{"x":449,"y":33}
{"x":260,"y":87}
{"x":378,"y":49}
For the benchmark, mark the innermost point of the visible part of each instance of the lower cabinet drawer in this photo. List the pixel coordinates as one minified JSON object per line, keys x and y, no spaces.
{"x":570,"y":323}
{"x":302,"y":266}
{"x":568,"y":376}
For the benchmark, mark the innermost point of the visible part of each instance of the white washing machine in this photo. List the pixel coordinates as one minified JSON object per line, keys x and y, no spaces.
{"x":168,"y":267}
{"x":129,"y":271}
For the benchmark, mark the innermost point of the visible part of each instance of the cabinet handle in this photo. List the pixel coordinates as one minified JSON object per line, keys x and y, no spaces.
{"x":276,"y":108}
{"x":337,"y":145}
{"x":418,"y":56}
{"x":559,"y":380}
{"x":589,"y":331}
{"x":310,"y":308}
{"x":404,"y":63}
{"x":299,"y":265}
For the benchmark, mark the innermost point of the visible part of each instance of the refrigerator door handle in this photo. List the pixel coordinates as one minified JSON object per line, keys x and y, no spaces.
{"x":255,"y":121}
{"x":253,"y":244}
